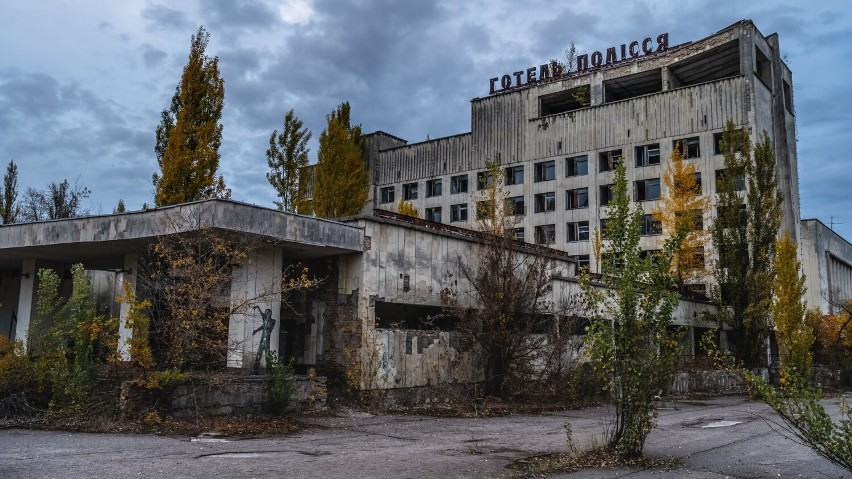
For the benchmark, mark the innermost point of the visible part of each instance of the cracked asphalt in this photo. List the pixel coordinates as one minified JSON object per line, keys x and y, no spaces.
{"x":742,"y":443}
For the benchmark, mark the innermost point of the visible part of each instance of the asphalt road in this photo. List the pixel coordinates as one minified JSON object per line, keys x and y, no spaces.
{"x":352,"y":445}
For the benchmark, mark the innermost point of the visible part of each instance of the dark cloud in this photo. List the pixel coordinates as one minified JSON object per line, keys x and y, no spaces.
{"x":160,"y":17}
{"x":227,"y":14}
{"x":153,"y":57}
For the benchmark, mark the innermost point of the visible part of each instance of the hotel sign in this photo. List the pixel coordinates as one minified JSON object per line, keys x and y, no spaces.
{"x":554,"y":70}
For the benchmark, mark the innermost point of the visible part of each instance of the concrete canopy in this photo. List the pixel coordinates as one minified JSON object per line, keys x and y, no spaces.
{"x":100,"y":242}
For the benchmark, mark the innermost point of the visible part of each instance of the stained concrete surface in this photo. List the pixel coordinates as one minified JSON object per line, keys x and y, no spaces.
{"x":353,"y":444}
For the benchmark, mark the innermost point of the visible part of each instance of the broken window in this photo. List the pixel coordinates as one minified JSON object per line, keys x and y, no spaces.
{"x":545,"y":234}
{"x":387,"y":194}
{"x":545,"y":171}
{"x":647,"y":190}
{"x":434,"y":214}
{"x":458,"y":184}
{"x":739,"y":180}
{"x":650,"y":226}
{"x":605,"y":195}
{"x":648,"y":155}
{"x":545,"y":202}
{"x":484,"y":179}
{"x":409,"y":191}
{"x":578,"y":198}
{"x":518,"y":234}
{"x":433,"y":188}
{"x":582,"y":260}
{"x":762,"y":67}
{"x":788,"y":96}
{"x":608,"y":159}
{"x":516,"y":205}
{"x":458,"y":212}
{"x":564,"y":101}
{"x":515,"y":175}
{"x":690,"y":147}
{"x":578,"y":231}
{"x":577,"y":166}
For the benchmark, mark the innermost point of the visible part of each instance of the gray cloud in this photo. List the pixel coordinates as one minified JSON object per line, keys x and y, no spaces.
{"x":160,"y":17}
{"x":152,"y":57}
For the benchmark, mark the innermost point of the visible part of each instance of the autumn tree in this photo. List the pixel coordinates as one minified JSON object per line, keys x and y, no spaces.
{"x":789,"y":313}
{"x":9,"y":207}
{"x":341,"y":181}
{"x":58,"y":201}
{"x":120,"y":207}
{"x":744,"y":235}
{"x":407,"y":208}
{"x":630,"y":339}
{"x":511,"y":286}
{"x":680,"y":212}
{"x":190,"y":132}
{"x":287,"y":156}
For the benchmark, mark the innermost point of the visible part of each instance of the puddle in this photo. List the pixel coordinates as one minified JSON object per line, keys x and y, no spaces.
{"x":721,"y":424}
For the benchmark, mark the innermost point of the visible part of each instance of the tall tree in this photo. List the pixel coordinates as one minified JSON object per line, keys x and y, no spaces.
{"x":9,"y":207}
{"x":286,"y":156}
{"x":340,"y":187}
{"x":190,"y":132}
{"x":57,"y":201}
{"x":795,"y":336}
{"x":681,"y":211}
{"x":629,"y":339}
{"x":744,"y":237}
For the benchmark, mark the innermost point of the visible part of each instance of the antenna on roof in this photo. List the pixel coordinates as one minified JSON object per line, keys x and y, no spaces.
{"x":832,"y":222}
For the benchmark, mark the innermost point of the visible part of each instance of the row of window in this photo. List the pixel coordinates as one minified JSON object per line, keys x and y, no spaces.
{"x":643,"y":190}
{"x":579,"y":231}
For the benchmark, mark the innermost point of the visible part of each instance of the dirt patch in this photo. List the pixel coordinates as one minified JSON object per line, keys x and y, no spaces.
{"x":545,"y":464}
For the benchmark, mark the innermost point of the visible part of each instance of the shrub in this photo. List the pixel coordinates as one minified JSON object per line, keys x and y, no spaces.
{"x":282,"y":385}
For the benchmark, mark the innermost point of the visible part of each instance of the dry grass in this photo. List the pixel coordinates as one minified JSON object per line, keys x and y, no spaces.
{"x":543,"y":465}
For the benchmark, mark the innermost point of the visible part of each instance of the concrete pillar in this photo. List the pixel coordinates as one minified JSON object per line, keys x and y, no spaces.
{"x":128,"y":276}
{"x":26,"y":300}
{"x":255,"y":288}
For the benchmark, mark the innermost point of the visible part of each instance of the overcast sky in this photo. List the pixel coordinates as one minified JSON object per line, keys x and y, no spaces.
{"x":82,"y":83}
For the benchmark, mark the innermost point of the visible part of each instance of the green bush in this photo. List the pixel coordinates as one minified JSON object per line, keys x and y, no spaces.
{"x":282,"y":384}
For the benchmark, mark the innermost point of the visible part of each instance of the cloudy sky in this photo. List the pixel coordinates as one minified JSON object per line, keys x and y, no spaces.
{"x":82,"y":82}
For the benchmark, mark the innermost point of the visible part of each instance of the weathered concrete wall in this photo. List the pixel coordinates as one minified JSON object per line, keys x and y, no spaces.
{"x":827,"y":265}
{"x":411,"y":358}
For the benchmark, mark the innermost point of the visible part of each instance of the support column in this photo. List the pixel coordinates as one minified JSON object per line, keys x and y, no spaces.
{"x":128,"y":276}
{"x":255,"y":293}
{"x":26,"y":300}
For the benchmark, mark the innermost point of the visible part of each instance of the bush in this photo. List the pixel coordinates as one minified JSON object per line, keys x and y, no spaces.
{"x":17,"y":371}
{"x":282,"y":385}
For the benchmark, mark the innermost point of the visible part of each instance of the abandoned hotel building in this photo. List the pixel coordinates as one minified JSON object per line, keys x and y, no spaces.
{"x":557,"y":134}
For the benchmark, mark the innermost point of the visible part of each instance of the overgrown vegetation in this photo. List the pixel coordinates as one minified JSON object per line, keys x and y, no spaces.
{"x":287,"y":156}
{"x":630,"y":339}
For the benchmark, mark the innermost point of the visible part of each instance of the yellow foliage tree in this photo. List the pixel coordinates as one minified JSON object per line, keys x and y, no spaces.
{"x":190,"y":133}
{"x":340,"y":186}
{"x":407,"y":209}
{"x":681,"y":211}
{"x":795,"y":336}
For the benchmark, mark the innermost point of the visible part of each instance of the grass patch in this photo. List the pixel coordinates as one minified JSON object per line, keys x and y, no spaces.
{"x":542,"y":465}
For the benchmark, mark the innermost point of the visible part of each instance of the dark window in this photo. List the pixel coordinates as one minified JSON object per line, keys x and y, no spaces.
{"x":690,"y":147}
{"x":608,"y":159}
{"x":648,"y":155}
{"x":545,"y":171}
{"x":582,"y":260}
{"x":434,"y":214}
{"x":518,"y":234}
{"x":739,"y":180}
{"x":409,"y":191}
{"x":577,"y":166}
{"x":762,"y":67}
{"x":458,"y":184}
{"x":545,"y":234}
{"x":515,"y":175}
{"x":650,"y":253}
{"x":578,"y":198}
{"x":545,"y":202}
{"x":717,"y":143}
{"x":433,"y":188}
{"x":650,"y":226}
{"x":788,"y":96}
{"x":647,"y":190}
{"x":484,"y":179}
{"x":578,"y":231}
{"x":605,"y":195}
{"x":387,"y":194}
{"x":458,"y":212}
{"x":516,"y":205}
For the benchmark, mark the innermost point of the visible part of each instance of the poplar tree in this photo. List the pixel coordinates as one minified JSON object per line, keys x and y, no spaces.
{"x":190,"y":132}
{"x":744,"y":235}
{"x":680,"y":211}
{"x":9,"y":207}
{"x":286,"y":156}
{"x":340,"y":186}
{"x":789,"y":313}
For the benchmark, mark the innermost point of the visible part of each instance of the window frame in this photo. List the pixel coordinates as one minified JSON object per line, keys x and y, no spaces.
{"x":643,"y":156}
{"x":544,"y":171}
{"x":571,"y":169}
{"x":573,"y":196}
{"x":610,"y":158}
{"x":459,"y":184}
{"x":512,"y":174}
{"x":384,"y":197}
{"x":686,"y":147}
{"x":574,"y":231}
{"x":458,"y":213}
{"x":410,"y":191}
{"x":547,"y":199}
{"x":432,"y":186}
{"x":549,"y":230}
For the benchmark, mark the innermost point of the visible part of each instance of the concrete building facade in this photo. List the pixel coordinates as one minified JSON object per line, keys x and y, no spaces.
{"x":558,"y":136}
{"x":827,"y":264}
